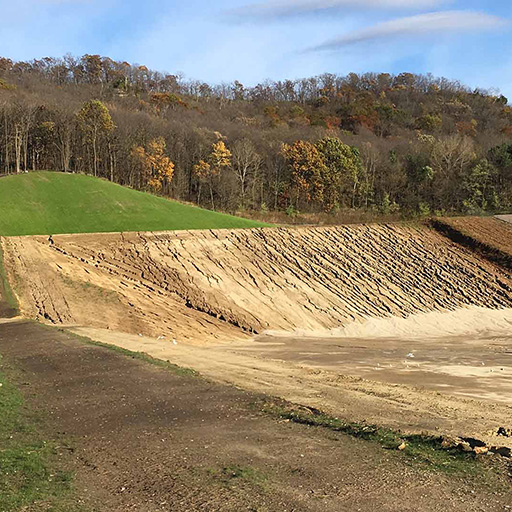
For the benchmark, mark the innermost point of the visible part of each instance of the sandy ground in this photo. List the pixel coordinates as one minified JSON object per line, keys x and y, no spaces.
{"x":212,"y":286}
{"x":443,"y":389}
{"x":143,"y":439}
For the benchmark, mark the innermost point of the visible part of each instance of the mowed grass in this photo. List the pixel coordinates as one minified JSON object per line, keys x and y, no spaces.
{"x":46,"y":203}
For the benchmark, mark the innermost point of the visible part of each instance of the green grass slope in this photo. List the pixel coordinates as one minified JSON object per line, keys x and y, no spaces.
{"x":44,"y":203}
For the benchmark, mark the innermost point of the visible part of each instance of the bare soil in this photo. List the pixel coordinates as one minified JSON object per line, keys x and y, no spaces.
{"x":337,"y":380}
{"x":212,"y":286}
{"x":143,"y":438}
{"x":489,"y":236}
{"x":199,"y":298}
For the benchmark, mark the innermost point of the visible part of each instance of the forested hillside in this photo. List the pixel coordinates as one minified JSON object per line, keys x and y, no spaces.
{"x":406,"y":143}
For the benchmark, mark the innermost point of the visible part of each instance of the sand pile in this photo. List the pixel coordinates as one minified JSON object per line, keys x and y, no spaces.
{"x":474,"y":322}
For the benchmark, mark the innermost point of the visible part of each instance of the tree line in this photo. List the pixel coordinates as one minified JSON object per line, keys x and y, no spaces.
{"x":405,"y":143}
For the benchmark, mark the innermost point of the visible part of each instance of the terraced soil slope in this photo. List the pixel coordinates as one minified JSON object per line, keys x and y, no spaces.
{"x":224,"y":285}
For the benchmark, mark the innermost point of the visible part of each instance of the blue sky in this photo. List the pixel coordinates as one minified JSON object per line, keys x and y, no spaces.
{"x":251,"y":40}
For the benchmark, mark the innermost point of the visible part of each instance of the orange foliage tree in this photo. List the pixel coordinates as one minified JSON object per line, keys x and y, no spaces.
{"x":156,"y":165}
{"x":307,"y":169}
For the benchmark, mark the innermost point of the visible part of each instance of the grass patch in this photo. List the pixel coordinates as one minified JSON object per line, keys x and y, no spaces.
{"x":424,"y":449}
{"x":28,"y":473}
{"x":141,"y":356}
{"x":6,"y":293}
{"x":107,"y":296}
{"x":49,"y":203}
{"x":235,"y":475}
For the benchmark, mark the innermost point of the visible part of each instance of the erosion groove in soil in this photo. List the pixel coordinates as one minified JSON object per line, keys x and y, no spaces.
{"x":227,"y":284}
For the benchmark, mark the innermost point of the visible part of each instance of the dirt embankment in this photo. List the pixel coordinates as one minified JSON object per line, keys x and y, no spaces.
{"x":488,"y":236}
{"x":224,"y":285}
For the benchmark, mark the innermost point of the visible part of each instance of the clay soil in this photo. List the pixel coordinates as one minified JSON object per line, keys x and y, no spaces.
{"x":142,"y":438}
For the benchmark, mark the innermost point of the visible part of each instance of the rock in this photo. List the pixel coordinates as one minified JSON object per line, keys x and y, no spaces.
{"x":505,"y":432}
{"x":473,"y":442}
{"x":503,"y":451}
{"x":465,"y":447}
{"x":481,"y":450}
{"x":450,"y":442}
{"x":402,"y":447}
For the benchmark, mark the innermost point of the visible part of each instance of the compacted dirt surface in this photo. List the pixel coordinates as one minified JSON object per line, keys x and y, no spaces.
{"x":143,"y":438}
{"x":443,"y":390}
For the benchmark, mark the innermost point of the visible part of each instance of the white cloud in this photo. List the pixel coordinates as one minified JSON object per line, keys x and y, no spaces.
{"x":293,"y":7}
{"x":432,"y":24}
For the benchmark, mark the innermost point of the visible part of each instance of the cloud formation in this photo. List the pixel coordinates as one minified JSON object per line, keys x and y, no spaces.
{"x":294,"y":7}
{"x":432,"y":24}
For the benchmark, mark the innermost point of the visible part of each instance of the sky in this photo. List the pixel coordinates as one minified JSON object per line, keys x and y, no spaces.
{"x":254,"y":40}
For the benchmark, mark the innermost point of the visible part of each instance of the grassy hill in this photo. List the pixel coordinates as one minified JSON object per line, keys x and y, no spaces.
{"x":43,"y":203}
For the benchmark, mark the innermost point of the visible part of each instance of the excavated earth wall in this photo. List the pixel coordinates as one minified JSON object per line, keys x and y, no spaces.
{"x":202,"y":286}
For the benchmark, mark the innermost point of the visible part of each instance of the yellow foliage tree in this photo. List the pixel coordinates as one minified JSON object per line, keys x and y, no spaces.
{"x":157,"y":166}
{"x":220,"y":157}
{"x":205,"y":170}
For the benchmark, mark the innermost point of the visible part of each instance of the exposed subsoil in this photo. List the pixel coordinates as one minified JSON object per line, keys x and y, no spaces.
{"x":208,"y":286}
{"x":143,"y":438}
{"x":197,"y":298}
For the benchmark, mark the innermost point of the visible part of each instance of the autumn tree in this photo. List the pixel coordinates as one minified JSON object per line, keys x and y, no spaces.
{"x":423,"y":140}
{"x":246,"y":162}
{"x":96,"y":123}
{"x":218,"y":160}
{"x":156,"y":165}
{"x":307,"y":170}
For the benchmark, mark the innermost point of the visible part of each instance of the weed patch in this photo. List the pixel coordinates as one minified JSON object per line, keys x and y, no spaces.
{"x":424,"y":449}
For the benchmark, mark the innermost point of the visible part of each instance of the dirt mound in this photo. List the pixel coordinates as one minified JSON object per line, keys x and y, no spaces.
{"x":472,"y":322}
{"x":227,"y":284}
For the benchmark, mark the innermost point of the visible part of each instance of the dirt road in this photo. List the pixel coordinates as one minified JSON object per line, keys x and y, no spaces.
{"x":146,"y":439}
{"x":400,"y":399}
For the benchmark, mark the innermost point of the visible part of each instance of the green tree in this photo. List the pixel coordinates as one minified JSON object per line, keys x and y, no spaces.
{"x":477,"y":185}
{"x":341,"y":170}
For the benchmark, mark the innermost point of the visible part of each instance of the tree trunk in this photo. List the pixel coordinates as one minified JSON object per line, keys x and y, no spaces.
{"x":211,"y":194}
{"x":95,"y":157}
{"x":17,"y":148}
